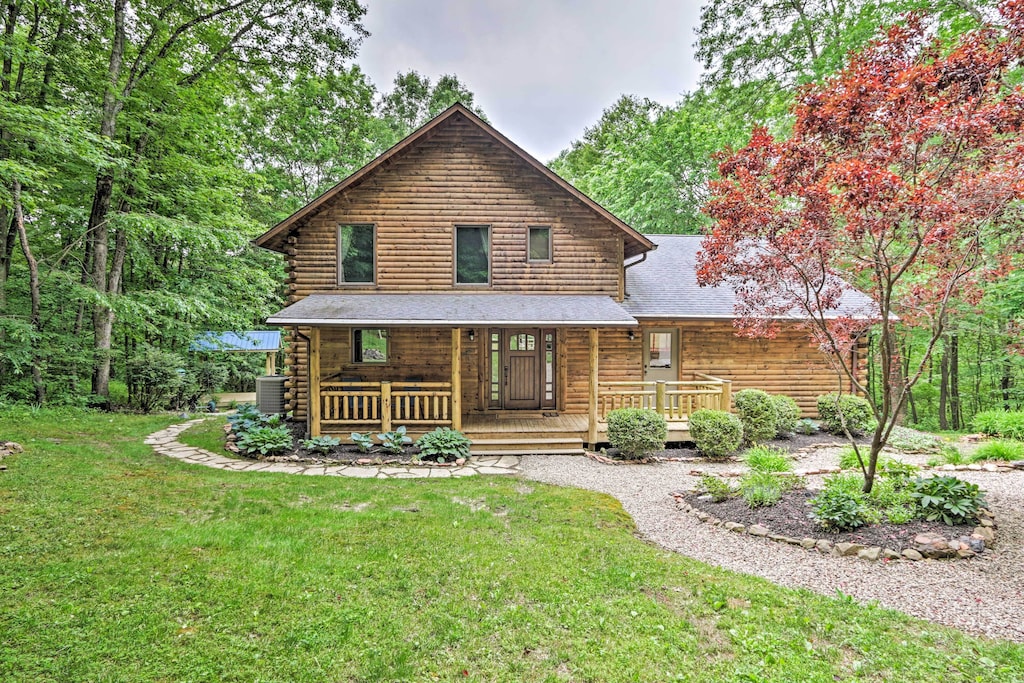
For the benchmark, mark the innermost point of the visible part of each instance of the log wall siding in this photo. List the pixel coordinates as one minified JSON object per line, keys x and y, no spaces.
{"x":459,"y":176}
{"x":790,"y":364}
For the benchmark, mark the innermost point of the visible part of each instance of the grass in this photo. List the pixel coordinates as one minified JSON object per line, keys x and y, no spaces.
{"x":999,"y":450}
{"x":208,"y":435}
{"x":120,"y":565}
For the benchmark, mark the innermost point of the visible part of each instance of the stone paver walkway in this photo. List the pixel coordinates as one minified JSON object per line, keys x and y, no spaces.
{"x":165,"y":442}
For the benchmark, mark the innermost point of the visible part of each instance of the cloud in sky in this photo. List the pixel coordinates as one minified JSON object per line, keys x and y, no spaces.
{"x":542,"y":70}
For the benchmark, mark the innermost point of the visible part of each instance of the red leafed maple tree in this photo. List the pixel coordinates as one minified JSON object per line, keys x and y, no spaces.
{"x":902,"y":178}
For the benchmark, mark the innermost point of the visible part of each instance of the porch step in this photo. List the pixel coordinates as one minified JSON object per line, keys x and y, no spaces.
{"x":527,"y":451}
{"x":527,"y":445}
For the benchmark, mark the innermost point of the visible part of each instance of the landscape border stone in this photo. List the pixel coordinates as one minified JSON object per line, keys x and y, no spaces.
{"x":928,"y":546}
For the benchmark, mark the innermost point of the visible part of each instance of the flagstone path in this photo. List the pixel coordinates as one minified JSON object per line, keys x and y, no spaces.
{"x":165,"y":442}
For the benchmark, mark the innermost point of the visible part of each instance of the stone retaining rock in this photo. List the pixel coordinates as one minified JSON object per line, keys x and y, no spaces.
{"x":926,"y":546}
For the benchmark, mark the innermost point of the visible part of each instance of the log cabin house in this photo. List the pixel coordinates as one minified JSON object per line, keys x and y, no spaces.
{"x":455,"y":280}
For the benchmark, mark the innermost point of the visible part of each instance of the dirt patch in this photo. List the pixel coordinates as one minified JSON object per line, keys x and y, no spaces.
{"x":791,"y":516}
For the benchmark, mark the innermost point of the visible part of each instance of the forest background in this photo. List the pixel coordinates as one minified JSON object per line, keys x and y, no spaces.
{"x":144,"y":144}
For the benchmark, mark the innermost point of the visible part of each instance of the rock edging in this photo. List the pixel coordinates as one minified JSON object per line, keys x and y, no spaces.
{"x":927,"y":546}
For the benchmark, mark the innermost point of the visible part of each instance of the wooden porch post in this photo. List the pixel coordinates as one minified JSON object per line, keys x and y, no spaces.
{"x":385,"y":406}
{"x":272,"y":362}
{"x":314,"y":382}
{"x":592,"y":416}
{"x":727,"y":395}
{"x":457,"y":378}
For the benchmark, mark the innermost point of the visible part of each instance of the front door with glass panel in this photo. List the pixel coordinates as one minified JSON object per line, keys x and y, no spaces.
{"x":522,"y":369}
{"x":661,"y":355}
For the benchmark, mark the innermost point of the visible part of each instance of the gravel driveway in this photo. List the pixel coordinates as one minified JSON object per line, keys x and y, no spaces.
{"x":983,"y":596}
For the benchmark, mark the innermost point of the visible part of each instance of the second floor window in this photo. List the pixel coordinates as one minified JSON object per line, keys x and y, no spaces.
{"x":472,"y":254}
{"x":355,"y":254}
{"x":539,"y":243}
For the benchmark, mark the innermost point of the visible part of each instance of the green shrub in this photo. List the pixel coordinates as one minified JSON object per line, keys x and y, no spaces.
{"x":837,"y":409}
{"x":1012,"y":425}
{"x":838,"y":509}
{"x":321,"y":444}
{"x":988,"y":421}
{"x":952,"y":500}
{"x":756,"y":411}
{"x":443,"y":445}
{"x":716,"y":487}
{"x":767,"y":459}
{"x":394,"y":442}
{"x":716,"y":433}
{"x":265,"y":440}
{"x":636,"y":432}
{"x":364,"y":442}
{"x":999,"y":450}
{"x":911,"y":440}
{"x":848,"y":459}
{"x":246,"y":417}
{"x":762,"y":489}
{"x":153,"y":378}
{"x":787,"y":415}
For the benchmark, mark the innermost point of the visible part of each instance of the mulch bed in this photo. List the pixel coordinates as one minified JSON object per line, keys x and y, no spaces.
{"x":345,"y":454}
{"x":791,"y":517}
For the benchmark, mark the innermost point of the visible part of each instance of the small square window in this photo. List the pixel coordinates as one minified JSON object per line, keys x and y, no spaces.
{"x":370,"y":346}
{"x":539,"y":247}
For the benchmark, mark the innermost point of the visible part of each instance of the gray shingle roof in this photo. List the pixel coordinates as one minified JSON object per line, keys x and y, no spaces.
{"x":456,"y":309}
{"x":665,"y":286}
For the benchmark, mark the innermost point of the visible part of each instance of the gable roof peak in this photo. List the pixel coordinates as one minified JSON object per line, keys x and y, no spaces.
{"x":635,"y":242}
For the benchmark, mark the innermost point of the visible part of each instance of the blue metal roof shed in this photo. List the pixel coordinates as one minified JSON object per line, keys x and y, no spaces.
{"x":250,"y":341}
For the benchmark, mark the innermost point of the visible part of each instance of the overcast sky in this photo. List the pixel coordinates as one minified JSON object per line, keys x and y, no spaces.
{"x":542,"y":70}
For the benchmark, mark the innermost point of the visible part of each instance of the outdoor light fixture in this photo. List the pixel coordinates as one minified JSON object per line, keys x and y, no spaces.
{"x":631,"y":335}
{"x":472,"y":335}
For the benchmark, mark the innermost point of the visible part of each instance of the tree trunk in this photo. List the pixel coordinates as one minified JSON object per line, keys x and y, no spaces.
{"x":98,"y":232}
{"x":33,"y":280}
{"x":944,"y":384}
{"x":955,"y":415}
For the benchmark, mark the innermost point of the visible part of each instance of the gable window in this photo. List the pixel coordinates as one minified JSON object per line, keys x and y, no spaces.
{"x":539,"y":243}
{"x":472,"y":254}
{"x":356,"y":263}
{"x":370,"y":346}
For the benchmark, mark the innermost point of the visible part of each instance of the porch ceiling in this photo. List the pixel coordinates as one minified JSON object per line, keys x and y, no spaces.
{"x":455,"y":309}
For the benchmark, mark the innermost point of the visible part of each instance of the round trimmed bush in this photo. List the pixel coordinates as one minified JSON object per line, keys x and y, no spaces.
{"x":716,"y":432}
{"x":787,"y":415}
{"x":834,"y":409}
{"x":636,"y":432}
{"x":757,"y":414}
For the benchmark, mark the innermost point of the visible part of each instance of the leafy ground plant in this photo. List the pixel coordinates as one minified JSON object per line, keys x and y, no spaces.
{"x":768,"y":459}
{"x":443,"y":445}
{"x":321,"y":444}
{"x":394,"y":442}
{"x":952,"y":500}
{"x":761,"y":489}
{"x":265,"y":440}
{"x":148,"y":569}
{"x":364,"y":442}
{"x":716,"y":487}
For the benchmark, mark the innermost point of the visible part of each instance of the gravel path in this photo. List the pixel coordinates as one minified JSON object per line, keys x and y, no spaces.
{"x":983,"y":596}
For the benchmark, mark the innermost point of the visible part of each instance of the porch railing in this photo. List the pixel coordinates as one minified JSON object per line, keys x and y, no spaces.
{"x":675,"y":400}
{"x":382,"y":405}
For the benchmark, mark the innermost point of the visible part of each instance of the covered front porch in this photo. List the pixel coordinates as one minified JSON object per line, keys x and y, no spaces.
{"x":515,"y":373}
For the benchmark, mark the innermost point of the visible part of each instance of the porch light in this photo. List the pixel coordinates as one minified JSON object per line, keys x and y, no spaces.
{"x":472,"y":334}
{"x":631,"y":335}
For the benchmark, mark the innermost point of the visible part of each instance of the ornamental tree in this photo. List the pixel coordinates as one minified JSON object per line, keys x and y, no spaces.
{"x":901,"y":178}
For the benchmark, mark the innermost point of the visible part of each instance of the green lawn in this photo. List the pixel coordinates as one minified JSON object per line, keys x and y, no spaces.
{"x":120,"y":565}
